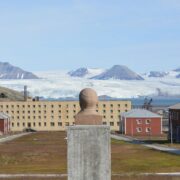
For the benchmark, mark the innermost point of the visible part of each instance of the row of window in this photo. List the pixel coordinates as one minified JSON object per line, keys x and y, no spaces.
{"x":139,"y":130}
{"x":52,"y":117}
{"x":139,"y":121}
{"x":52,"y":124}
{"x":52,"y":112}
{"x":52,"y":106}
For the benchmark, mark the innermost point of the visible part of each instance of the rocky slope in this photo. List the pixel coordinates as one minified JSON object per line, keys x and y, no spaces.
{"x":8,"y":71}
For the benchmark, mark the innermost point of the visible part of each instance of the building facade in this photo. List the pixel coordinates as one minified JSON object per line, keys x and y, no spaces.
{"x":4,"y":123}
{"x":174,"y":123}
{"x":141,"y":122}
{"x":57,"y":115}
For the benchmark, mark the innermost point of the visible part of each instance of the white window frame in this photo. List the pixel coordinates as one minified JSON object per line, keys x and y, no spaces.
{"x":148,"y":120}
{"x":139,"y":129}
{"x":148,"y":131}
{"x":139,"y":121}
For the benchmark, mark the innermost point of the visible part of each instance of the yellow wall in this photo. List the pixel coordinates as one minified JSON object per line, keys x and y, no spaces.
{"x":56,"y":115}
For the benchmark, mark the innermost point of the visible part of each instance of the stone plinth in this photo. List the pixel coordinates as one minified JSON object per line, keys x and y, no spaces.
{"x":89,"y":152}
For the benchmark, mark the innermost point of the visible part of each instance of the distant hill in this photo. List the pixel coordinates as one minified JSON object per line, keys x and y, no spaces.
{"x":157,"y":74}
{"x":118,"y":72}
{"x":177,"y":70}
{"x":81,"y":72}
{"x":7,"y":94}
{"x":8,"y":71}
{"x":85,"y":72}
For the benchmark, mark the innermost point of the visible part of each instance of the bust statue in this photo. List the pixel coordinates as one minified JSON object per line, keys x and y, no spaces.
{"x":88,"y":116}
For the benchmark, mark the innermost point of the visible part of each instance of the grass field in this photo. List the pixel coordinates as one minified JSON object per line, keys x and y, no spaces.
{"x":45,"y":152}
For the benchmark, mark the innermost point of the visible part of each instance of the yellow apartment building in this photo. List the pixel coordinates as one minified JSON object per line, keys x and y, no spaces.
{"x":57,"y":115}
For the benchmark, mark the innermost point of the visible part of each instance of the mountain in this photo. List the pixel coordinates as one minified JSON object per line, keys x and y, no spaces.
{"x":118,"y":72}
{"x":177,"y":70}
{"x":157,"y":74}
{"x":85,"y":72}
{"x":8,"y":71}
{"x":7,"y":94}
{"x":81,"y":72}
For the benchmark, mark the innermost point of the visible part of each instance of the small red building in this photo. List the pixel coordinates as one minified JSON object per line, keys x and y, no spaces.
{"x":4,"y":123}
{"x":140,"y":122}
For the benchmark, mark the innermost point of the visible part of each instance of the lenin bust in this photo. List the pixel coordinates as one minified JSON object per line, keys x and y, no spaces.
{"x":88,"y":100}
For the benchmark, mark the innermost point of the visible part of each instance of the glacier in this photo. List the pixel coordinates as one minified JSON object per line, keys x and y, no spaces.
{"x":58,"y":84}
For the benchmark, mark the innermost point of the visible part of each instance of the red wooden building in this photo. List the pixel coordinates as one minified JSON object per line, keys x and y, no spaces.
{"x":140,"y":122}
{"x":4,"y":123}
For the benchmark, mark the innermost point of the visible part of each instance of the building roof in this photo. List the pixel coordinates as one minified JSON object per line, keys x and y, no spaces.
{"x":140,"y":113}
{"x":4,"y":115}
{"x":176,"y":106}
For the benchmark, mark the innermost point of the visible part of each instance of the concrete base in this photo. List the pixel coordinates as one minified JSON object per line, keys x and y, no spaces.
{"x":89,"y":152}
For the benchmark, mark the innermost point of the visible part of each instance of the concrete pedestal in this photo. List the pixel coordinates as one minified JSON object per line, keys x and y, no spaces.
{"x":89,"y":152}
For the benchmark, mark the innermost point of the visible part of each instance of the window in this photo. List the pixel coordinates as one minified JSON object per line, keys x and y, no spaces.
{"x":126,"y":105}
{"x":104,"y":123}
{"x":67,"y":105}
{"x":74,"y":111}
{"x":59,"y":117}
{"x":59,"y":106}
{"x":74,"y":106}
{"x":96,"y":105}
{"x":39,"y":117}
{"x":118,"y":123}
{"x":44,"y":106}
{"x":39,"y":124}
{"x":12,"y":106}
{"x":111,"y":123}
{"x":104,"y":117}
{"x":148,"y":121}
{"x":119,"y":105}
{"x":67,"y":111}
{"x":12,"y":124}
{"x":29,"y":106}
{"x":67,"y":117}
{"x":104,"y":111}
{"x":111,"y":117}
{"x":139,"y":121}
{"x":7,"y":106}
{"x":96,"y":110}
{"x":39,"y":106}
{"x":111,"y":105}
{"x":59,"y":123}
{"x":119,"y":111}
{"x":28,"y":112}
{"x":148,"y":129}
{"x":39,"y":111}
{"x":52,"y":123}
{"x":34,"y":117}
{"x":52,"y":112}
{"x":18,"y":124}
{"x":44,"y":117}
{"x":34,"y":106}
{"x":23,"y":117}
{"x":59,"y":111}
{"x":111,"y":111}
{"x":67,"y":124}
{"x":44,"y":123}
{"x":34,"y":124}
{"x":139,"y":129}
{"x":104,"y":105}
{"x":23,"y":106}
{"x":52,"y":105}
{"x":23,"y":124}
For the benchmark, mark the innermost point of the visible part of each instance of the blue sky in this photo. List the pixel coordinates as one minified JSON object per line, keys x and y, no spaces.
{"x":67,"y":34}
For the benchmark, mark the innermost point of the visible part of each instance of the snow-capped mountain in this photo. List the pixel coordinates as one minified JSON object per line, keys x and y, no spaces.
{"x":58,"y":84}
{"x":85,"y":72}
{"x":118,"y":72}
{"x":8,"y":71}
{"x":157,"y":74}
